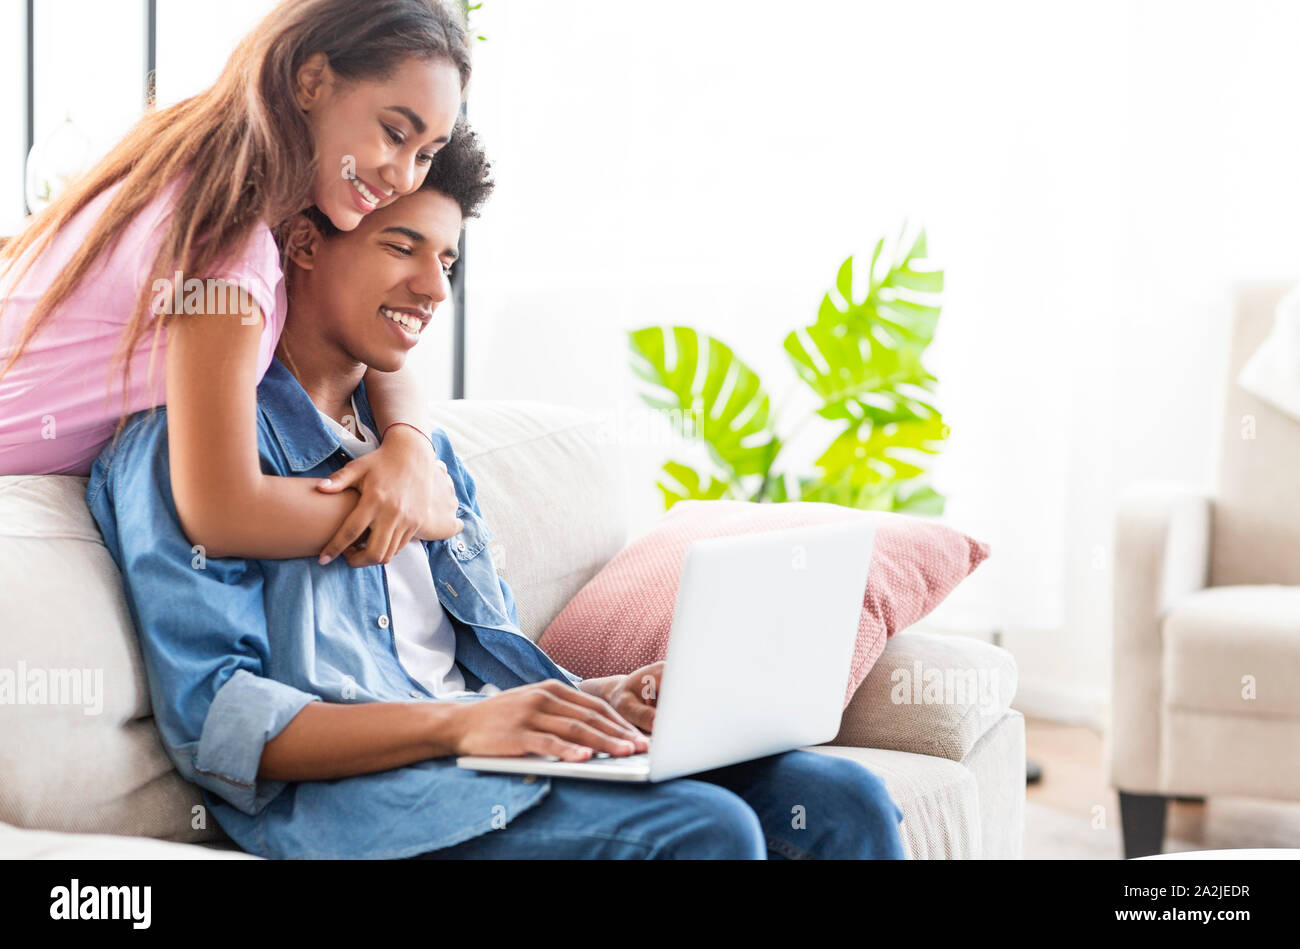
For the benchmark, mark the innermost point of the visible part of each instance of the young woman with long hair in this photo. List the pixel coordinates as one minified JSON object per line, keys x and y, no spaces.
{"x":118,"y":296}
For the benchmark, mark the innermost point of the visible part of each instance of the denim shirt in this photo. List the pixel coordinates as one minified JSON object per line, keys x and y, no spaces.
{"x":234,"y":648}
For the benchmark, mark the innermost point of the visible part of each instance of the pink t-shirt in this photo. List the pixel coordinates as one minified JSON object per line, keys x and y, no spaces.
{"x":59,"y":404}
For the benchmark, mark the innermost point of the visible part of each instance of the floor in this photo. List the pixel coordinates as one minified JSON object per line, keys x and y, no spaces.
{"x":1072,"y":814}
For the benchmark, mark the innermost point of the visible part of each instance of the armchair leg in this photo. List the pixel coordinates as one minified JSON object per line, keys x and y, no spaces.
{"x":1142,"y":818}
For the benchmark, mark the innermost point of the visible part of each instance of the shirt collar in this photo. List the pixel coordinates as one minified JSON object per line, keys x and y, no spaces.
{"x":295,"y":424}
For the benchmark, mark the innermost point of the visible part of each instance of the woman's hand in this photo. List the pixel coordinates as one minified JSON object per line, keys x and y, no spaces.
{"x":405,"y":491}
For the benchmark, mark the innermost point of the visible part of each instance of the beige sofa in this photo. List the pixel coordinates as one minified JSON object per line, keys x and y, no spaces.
{"x":1206,"y":659}
{"x":74,"y":784}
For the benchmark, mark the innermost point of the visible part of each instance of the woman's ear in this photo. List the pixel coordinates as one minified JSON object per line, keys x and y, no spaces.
{"x":303,"y":242}
{"x":313,"y":80}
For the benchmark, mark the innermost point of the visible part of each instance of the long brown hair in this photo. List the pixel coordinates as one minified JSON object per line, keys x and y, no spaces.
{"x":245,"y":139}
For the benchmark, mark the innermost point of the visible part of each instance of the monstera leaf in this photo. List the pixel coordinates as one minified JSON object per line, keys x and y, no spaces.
{"x":717,"y":398}
{"x":867,"y":464}
{"x":863,"y":360}
{"x":896,"y":294}
{"x":686,"y":486}
{"x":846,"y":369}
{"x":872,"y":348}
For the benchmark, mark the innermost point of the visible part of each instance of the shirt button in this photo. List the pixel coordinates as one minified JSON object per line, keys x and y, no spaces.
{"x":530,"y":779}
{"x":460,"y":545}
{"x":383,"y":622}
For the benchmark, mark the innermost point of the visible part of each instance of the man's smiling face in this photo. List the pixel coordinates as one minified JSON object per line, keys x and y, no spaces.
{"x":375,"y":289}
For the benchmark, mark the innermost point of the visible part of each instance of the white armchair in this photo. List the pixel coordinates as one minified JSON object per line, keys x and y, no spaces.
{"x":1206,"y":659}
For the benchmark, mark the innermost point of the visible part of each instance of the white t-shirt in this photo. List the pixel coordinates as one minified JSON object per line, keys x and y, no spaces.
{"x":422,"y":632}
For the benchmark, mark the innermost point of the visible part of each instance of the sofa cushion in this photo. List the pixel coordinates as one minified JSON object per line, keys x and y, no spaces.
{"x":549,"y":484}
{"x":930,"y":694}
{"x":1219,"y":636}
{"x":620,"y":621}
{"x":78,"y":750}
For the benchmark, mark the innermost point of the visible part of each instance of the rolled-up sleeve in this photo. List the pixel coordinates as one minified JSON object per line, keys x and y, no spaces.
{"x":246,"y":713}
{"x":202,"y":626}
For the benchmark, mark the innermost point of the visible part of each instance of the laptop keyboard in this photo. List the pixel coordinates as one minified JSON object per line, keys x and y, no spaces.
{"x":601,"y":759}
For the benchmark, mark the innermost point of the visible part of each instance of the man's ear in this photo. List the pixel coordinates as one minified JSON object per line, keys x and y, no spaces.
{"x":313,"y":79}
{"x":303,"y":244}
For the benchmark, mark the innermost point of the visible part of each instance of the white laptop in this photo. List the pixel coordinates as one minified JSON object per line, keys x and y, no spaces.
{"x":758,"y":655}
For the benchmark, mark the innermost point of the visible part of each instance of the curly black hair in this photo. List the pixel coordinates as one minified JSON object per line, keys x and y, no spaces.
{"x":460,"y":170}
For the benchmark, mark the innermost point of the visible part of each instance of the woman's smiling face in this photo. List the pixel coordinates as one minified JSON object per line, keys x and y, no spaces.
{"x":375,"y":139}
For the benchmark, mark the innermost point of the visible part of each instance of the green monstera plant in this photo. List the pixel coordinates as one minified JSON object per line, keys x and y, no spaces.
{"x":862,"y":360}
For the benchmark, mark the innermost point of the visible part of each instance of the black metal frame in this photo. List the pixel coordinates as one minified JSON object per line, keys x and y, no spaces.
{"x":458,"y":315}
{"x":150,"y":51}
{"x":29,"y":131}
{"x":458,"y":324}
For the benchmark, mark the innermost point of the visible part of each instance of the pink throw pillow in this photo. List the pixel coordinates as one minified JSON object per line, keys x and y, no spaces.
{"x":620,"y":620}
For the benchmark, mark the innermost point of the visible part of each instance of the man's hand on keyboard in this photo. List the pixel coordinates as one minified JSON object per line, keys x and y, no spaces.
{"x":544,"y":718}
{"x":635,"y":695}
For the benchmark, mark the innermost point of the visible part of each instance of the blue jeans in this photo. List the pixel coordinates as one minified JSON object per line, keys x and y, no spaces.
{"x":796,"y":805}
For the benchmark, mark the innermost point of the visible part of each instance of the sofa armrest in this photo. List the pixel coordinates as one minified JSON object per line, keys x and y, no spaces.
{"x":1162,"y":553}
{"x":930,"y":694}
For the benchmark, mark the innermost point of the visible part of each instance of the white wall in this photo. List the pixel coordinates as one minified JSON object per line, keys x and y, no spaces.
{"x":196,"y":39}
{"x":1093,"y":176}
